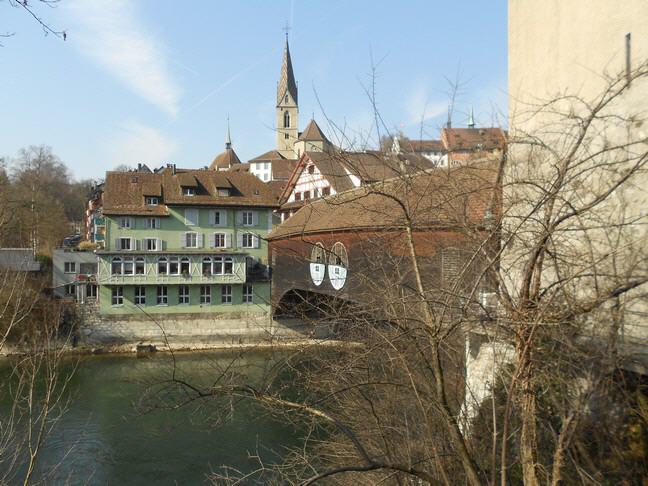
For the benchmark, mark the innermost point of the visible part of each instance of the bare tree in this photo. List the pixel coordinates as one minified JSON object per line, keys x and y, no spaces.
{"x":550,"y":229}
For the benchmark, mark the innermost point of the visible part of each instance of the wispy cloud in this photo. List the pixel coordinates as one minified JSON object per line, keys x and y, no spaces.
{"x":137,"y":142}
{"x":419,"y":108}
{"x":111,"y":33}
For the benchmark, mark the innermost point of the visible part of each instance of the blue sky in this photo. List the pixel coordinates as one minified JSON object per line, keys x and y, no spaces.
{"x":153,"y":80}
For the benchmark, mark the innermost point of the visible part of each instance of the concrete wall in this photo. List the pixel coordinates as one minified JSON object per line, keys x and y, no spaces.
{"x":573,"y":49}
{"x":185,"y":331}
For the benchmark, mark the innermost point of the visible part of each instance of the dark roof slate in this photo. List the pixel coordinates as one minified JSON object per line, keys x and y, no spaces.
{"x":123,"y":196}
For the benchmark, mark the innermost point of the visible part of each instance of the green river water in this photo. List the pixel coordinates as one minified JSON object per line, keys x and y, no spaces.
{"x":104,"y":439}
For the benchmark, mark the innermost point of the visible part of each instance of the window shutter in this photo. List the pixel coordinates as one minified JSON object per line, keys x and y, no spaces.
{"x":183,"y":240}
{"x":136,"y":244}
{"x":239,"y":240}
{"x":269,"y":220}
{"x":163,"y":245}
{"x":239,"y":218}
{"x":117,"y":244}
{"x":223,"y":217}
{"x":158,"y":244}
{"x":199,"y":240}
{"x":212,"y":240}
{"x":228,"y":240}
{"x":131,"y":223}
{"x":255,"y":218}
{"x":256,"y":241}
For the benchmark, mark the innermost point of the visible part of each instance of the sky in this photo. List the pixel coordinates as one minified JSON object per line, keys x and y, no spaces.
{"x":154,"y":81}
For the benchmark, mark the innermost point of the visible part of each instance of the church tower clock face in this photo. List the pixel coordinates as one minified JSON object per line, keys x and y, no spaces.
{"x":338,"y":265}
{"x":317,"y":264}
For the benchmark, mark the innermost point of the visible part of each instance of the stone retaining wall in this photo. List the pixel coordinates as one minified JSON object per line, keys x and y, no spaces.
{"x":186,"y":331}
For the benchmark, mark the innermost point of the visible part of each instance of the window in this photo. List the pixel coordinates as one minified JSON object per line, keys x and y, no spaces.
{"x":174,"y":267}
{"x":223,"y":192}
{"x":286,"y":99}
{"x":306,"y":195}
{"x":122,"y":266}
{"x":205,"y":294}
{"x":311,"y":169}
{"x":152,"y":223}
{"x":219,"y":240}
{"x":162,"y":295}
{"x":247,"y":240}
{"x":87,"y":268}
{"x":151,"y":201}
{"x":91,"y":291}
{"x":298,"y":196}
{"x":69,"y":267}
{"x":217,"y":218}
{"x":266,"y":177}
{"x":116,"y":266}
{"x":69,"y":289}
{"x":139,"y":266}
{"x":218,"y":266}
{"x":188,"y":191}
{"x":125,"y":222}
{"x":247,"y":293}
{"x":228,"y":266}
{"x":266,"y":165}
{"x":207,"y":266}
{"x":185,"y":266}
{"x":192,"y":240}
{"x":163,"y":266}
{"x":183,"y":294}
{"x":140,"y":295}
{"x":247,"y":218}
{"x":326,"y":191}
{"x":117,"y":296}
{"x":191,"y":217}
{"x":129,"y":269}
{"x":124,"y":244}
{"x":226,"y":294}
{"x":152,"y":244}
{"x":286,"y":120}
{"x":286,"y":136}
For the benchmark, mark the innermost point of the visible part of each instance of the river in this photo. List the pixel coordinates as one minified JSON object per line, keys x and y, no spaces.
{"x":105,"y":438}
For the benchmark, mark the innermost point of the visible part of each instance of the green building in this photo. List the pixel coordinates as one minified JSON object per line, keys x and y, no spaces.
{"x":185,"y":242}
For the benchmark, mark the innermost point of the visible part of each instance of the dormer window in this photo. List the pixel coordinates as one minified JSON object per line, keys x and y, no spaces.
{"x":188,"y":191}
{"x":152,"y":201}
{"x":224,"y":192}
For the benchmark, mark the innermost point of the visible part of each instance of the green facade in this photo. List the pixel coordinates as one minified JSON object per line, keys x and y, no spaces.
{"x":138,"y":269}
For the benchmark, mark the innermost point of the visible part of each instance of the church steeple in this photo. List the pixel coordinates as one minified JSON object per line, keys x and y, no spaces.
{"x":228,"y":137}
{"x":287,"y":83}
{"x":287,"y":110}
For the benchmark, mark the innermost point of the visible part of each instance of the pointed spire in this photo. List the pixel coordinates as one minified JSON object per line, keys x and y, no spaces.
{"x":287,"y":83}
{"x":228,"y":138}
{"x":471,"y":120}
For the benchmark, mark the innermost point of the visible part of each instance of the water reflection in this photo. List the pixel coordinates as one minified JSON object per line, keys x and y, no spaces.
{"x":104,"y":439}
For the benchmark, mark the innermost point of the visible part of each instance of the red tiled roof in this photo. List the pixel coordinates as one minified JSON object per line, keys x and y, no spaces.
{"x":438,"y":197}
{"x":225,"y":160}
{"x":473,"y":139}
{"x":124,"y":194}
{"x":313,"y":133}
{"x":270,"y":155}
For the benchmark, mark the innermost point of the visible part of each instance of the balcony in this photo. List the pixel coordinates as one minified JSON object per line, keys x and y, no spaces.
{"x":238,"y":277}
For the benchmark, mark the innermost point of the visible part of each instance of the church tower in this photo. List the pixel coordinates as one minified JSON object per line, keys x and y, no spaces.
{"x":287,"y":108}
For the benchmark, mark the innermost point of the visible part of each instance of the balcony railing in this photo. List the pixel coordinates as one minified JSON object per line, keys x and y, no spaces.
{"x":141,"y":279}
